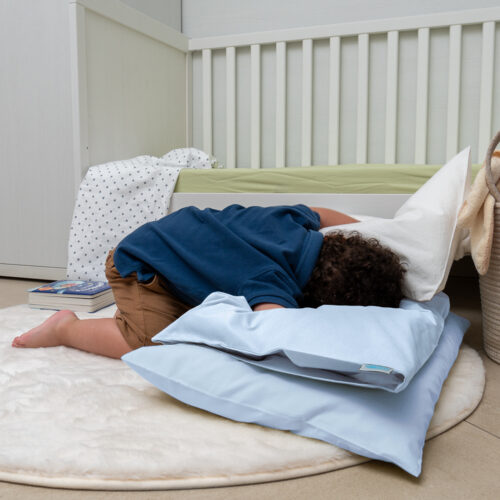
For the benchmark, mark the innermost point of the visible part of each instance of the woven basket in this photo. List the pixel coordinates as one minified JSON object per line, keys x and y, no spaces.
{"x":489,"y":284}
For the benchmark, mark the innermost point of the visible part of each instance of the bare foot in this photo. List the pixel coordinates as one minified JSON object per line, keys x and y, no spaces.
{"x":46,"y":334}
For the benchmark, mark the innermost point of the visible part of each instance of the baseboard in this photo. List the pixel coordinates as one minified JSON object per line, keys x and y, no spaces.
{"x":32,"y":272}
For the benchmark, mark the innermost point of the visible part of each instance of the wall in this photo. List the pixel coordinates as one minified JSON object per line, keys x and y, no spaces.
{"x":36,"y":155}
{"x":166,"y":11}
{"x":136,"y":92}
{"x":202,"y":18}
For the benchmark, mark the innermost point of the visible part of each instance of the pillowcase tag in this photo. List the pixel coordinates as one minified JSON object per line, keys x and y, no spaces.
{"x":375,"y":368}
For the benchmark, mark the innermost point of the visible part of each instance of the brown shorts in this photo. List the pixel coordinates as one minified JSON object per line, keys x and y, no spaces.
{"x":144,"y":309}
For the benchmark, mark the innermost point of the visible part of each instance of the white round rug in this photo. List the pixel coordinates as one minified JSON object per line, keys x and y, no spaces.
{"x":70,"y":419}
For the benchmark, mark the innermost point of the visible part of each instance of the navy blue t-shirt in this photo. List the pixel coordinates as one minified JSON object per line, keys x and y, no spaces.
{"x":265,"y":254}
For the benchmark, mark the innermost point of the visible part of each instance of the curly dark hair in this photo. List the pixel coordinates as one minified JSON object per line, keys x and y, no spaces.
{"x":352,"y":270}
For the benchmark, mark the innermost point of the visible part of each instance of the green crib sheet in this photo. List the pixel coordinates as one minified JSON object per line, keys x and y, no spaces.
{"x":372,"y":178}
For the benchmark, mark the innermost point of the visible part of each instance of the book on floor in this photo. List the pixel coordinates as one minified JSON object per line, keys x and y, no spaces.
{"x":76,"y":295}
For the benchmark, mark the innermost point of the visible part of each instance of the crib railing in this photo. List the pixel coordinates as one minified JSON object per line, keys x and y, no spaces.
{"x":412,"y":90}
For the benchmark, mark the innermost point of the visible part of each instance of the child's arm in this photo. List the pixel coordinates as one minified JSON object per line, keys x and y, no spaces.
{"x":330,"y":217}
{"x":266,"y":305}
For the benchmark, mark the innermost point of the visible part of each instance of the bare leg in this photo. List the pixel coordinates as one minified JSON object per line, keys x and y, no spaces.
{"x":99,"y":336}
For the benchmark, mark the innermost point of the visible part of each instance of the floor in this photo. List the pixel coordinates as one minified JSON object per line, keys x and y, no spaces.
{"x":462,"y":463}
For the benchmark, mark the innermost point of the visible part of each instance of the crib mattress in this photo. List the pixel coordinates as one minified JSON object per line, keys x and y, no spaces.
{"x":373,"y":178}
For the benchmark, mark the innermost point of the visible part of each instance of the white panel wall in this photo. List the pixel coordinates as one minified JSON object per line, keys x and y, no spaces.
{"x":36,"y":175}
{"x":131,"y":83}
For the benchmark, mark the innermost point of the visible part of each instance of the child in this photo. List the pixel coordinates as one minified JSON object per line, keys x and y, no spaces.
{"x":273,"y":256}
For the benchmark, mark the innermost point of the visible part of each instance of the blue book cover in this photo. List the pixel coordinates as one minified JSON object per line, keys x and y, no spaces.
{"x":73,"y":287}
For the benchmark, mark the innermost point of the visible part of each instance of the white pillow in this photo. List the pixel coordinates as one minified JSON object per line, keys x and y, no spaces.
{"x":423,"y":232}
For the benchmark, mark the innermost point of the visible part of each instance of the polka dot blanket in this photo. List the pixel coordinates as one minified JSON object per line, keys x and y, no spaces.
{"x":117,"y":197}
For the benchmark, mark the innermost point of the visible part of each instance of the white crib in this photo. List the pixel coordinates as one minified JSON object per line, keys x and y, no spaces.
{"x":407,"y":90}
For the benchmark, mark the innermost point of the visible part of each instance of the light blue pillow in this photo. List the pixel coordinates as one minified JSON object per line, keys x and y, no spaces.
{"x":377,"y":347}
{"x":373,"y":423}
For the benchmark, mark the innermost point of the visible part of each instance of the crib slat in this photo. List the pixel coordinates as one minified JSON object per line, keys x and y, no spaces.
{"x":230,"y":107}
{"x":280,"y":103}
{"x":422,"y":96}
{"x":334,"y":96}
{"x":306,"y":102}
{"x":486,"y":95}
{"x":255,"y":106}
{"x":362,"y":121}
{"x":207,"y":100}
{"x":391,"y":99}
{"x":453,"y":90}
